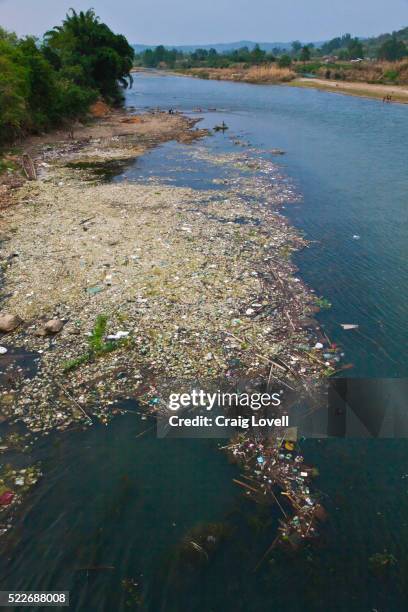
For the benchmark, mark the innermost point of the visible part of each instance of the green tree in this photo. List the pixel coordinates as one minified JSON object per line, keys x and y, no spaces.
{"x":43,"y":92}
{"x":103,"y":59}
{"x":284,"y":61}
{"x":296,"y":47}
{"x":393,"y":50}
{"x":14,"y":91}
{"x":305,"y":54}
{"x":355,"y":49}
{"x":257,"y":55}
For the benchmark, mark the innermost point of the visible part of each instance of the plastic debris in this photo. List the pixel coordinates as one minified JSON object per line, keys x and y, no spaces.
{"x":118,"y":336}
{"x":6,"y":498}
{"x":94,"y":290}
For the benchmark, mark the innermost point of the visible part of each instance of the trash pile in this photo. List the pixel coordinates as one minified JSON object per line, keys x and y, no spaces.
{"x":14,"y":485}
{"x":274,"y":469}
{"x":191,"y":283}
{"x":145,"y":281}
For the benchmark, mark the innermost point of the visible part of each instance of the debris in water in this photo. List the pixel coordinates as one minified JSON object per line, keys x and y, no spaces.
{"x":6,"y":498}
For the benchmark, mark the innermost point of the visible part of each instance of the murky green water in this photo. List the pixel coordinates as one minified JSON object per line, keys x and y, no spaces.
{"x":120,"y":505}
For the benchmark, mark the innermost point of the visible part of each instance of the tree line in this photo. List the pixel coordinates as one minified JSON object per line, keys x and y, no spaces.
{"x":44,"y":83}
{"x":389,"y":47}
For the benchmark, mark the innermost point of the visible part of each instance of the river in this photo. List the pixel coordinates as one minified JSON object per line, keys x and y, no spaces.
{"x":122,"y":504}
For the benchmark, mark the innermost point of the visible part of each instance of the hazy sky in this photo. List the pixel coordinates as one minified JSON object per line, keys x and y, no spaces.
{"x":212,"y":21}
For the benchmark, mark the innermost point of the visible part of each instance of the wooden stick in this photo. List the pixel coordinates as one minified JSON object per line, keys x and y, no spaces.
{"x":142,"y":433}
{"x":245,"y":485}
{"x":272,"y":546}
{"x":73,"y":400}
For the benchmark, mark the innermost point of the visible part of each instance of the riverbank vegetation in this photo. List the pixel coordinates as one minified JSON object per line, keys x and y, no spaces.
{"x":44,"y":83}
{"x":382,"y":60}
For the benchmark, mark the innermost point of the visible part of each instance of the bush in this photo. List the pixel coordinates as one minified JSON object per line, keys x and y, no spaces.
{"x":14,"y":92}
{"x":41,"y":86}
{"x":284,"y":61}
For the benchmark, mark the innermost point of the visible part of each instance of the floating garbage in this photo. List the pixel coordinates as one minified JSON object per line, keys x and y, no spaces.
{"x":3,"y":350}
{"x":6,"y":498}
{"x":356,"y":237}
{"x":318,"y":345}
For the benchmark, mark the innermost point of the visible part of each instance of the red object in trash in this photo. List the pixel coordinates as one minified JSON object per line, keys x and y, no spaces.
{"x":6,"y":498}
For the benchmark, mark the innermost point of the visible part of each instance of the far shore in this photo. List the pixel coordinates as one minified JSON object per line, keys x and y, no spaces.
{"x":379,"y":91}
{"x":398,"y":93}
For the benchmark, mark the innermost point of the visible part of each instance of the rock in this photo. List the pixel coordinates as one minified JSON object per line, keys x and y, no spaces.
{"x":53,"y":326}
{"x":9,"y":322}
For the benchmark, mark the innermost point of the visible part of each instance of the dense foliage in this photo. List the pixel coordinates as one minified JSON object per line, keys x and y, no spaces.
{"x":171,"y":58}
{"x":393,"y":50}
{"x":389,"y":47}
{"x":43,"y":83}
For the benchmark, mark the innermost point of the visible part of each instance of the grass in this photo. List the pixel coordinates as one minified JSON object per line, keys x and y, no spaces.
{"x":6,"y":164}
{"x":97,"y":345}
{"x":270,"y":73}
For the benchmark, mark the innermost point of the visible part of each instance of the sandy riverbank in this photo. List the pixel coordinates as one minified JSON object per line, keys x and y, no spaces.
{"x":264,"y":75}
{"x":365,"y":90}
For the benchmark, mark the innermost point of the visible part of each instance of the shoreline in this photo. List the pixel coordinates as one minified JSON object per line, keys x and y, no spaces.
{"x":398,"y":93}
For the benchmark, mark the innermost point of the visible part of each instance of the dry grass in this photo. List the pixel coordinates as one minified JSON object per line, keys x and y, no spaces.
{"x":269,"y":74}
{"x":372,"y":72}
{"x":254,"y":74}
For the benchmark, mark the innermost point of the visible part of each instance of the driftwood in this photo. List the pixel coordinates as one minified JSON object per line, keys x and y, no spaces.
{"x":246,"y":486}
{"x":29,"y":167}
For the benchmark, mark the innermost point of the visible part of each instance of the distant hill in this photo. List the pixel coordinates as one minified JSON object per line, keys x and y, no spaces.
{"x":225,"y":47}
{"x":371,"y":44}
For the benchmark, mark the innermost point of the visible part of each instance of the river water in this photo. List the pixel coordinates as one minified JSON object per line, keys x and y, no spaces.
{"x":122,"y":504}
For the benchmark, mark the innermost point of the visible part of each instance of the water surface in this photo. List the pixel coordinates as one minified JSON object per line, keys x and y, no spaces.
{"x":112,"y":500}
